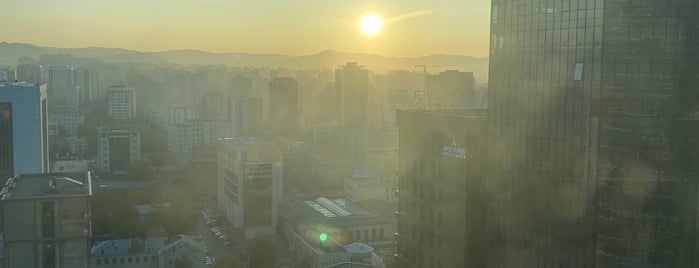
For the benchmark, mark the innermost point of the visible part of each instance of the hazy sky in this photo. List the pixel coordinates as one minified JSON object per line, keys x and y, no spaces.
{"x":293,"y":27}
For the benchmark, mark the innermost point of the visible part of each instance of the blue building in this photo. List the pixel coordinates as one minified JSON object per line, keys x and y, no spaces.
{"x":24,"y":144}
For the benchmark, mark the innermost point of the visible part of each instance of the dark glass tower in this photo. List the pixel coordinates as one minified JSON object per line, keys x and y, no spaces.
{"x":593,"y":133}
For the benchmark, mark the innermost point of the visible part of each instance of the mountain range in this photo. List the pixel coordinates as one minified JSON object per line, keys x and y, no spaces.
{"x":11,"y":52}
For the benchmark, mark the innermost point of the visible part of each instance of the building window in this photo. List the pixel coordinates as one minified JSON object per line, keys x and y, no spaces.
{"x":130,"y":260}
{"x":48,"y":219}
{"x":121,"y":260}
{"x":99,"y":261}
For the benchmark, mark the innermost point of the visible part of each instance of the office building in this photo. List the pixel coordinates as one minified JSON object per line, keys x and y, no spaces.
{"x":592,"y":120}
{"x":250,"y":184}
{"x":441,"y":189}
{"x":46,"y":220}
{"x":181,"y":114}
{"x":88,"y":83}
{"x":116,"y":149}
{"x":283,"y":104}
{"x":352,"y":95}
{"x":62,"y":89}
{"x":183,"y":137}
{"x":68,"y":120}
{"x":24,"y":145}
{"x":214,"y":106}
{"x":30,"y":73}
{"x":455,"y":90}
{"x":121,"y":102}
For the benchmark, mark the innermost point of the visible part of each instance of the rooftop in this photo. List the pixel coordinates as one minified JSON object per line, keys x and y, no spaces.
{"x":120,"y":247}
{"x":240,"y":143}
{"x":17,"y":84}
{"x":46,"y":185}
{"x":466,"y":113}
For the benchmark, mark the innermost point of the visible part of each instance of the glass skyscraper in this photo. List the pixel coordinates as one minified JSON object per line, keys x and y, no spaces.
{"x":24,"y":145}
{"x":593,"y":122}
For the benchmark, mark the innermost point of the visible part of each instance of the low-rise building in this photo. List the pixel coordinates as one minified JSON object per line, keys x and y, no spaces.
{"x":75,"y":145}
{"x":46,"y":220}
{"x":317,"y":230}
{"x":154,"y":252}
{"x":363,"y":186}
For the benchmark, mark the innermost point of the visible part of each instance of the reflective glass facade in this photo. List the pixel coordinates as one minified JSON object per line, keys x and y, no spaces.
{"x":24,"y":116}
{"x":592,"y":113}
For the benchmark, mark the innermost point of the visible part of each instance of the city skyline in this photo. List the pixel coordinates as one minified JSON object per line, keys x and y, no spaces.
{"x":303,"y":27}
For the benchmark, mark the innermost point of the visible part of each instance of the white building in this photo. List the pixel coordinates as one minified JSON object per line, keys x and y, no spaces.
{"x":154,"y":252}
{"x":116,"y":149}
{"x":61,"y":86}
{"x":121,"y":102}
{"x":181,"y":114}
{"x":30,"y":73}
{"x":250,"y":184}
{"x":182,"y":137}
{"x":70,"y":121}
{"x":76,"y":145}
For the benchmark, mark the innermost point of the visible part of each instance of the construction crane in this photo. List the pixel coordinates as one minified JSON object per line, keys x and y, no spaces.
{"x":421,"y":95}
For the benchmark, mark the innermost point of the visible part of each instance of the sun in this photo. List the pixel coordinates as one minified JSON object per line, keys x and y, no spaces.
{"x":371,"y":24}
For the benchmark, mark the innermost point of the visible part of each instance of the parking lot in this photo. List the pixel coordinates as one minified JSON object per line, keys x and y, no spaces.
{"x":215,"y":237}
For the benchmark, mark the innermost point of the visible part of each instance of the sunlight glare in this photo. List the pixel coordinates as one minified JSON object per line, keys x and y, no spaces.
{"x":371,"y":24}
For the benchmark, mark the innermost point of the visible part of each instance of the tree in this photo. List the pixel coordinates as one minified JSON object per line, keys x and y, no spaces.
{"x":227,"y":262}
{"x":113,"y":215}
{"x":183,"y":262}
{"x":262,"y":252}
{"x":140,"y":170}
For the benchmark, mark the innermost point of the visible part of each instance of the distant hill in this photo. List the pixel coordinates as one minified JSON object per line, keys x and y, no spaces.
{"x":10,"y":52}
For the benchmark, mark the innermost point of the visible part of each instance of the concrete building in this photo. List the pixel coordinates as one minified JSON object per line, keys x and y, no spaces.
{"x":283,"y":105}
{"x":24,"y":141}
{"x":7,"y":75}
{"x":87,"y":81}
{"x":70,"y":121}
{"x":453,"y":89}
{"x":30,"y":73}
{"x":364,"y":186}
{"x":76,"y":145}
{"x":116,"y":149}
{"x":46,"y":220}
{"x":352,"y":95}
{"x":182,"y":137}
{"x":441,"y":192}
{"x":250,"y":184}
{"x":214,"y":106}
{"x":593,"y":133}
{"x":343,"y":223}
{"x":121,"y":102}
{"x":153,"y":252}
{"x":181,"y":114}
{"x":70,"y":166}
{"x":62,"y":89}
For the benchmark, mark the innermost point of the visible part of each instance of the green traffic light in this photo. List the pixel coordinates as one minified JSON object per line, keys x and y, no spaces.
{"x":323,"y":237}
